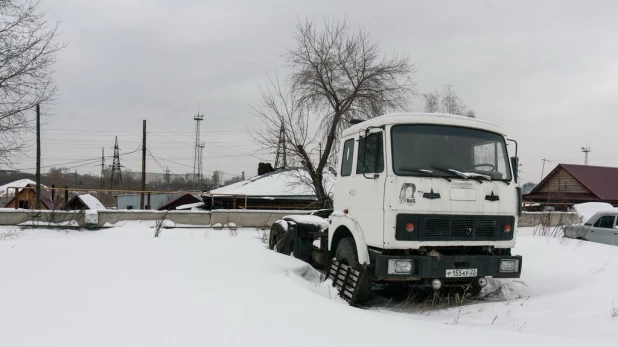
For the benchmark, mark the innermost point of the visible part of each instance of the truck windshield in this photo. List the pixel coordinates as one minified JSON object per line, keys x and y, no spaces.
{"x":448,"y":151}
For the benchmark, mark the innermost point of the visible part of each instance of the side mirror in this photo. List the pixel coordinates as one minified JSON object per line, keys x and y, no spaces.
{"x":515,"y":165}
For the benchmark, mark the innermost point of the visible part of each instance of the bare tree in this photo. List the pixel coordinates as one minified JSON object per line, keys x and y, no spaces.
{"x":446,"y":102}
{"x":432,"y":102}
{"x":28,"y":49}
{"x":337,"y":74}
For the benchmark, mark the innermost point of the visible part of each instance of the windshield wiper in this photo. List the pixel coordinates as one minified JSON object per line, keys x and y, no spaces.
{"x":466,"y":175}
{"x":423,"y":171}
{"x":471,"y":174}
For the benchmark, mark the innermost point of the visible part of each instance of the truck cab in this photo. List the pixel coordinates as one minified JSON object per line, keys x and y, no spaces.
{"x":426,"y":198}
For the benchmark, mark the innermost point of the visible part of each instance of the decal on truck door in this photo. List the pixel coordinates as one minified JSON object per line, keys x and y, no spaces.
{"x":406,"y":195}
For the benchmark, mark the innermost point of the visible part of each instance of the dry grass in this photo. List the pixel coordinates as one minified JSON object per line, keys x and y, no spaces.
{"x":159,"y":224}
{"x":10,"y":234}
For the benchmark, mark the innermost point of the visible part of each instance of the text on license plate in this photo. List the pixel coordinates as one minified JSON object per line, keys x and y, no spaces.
{"x":462,"y":273}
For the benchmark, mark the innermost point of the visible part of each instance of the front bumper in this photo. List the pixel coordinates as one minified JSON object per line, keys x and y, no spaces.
{"x":430,"y":267}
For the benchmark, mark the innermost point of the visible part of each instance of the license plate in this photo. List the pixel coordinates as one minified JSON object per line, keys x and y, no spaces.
{"x":462,"y":273}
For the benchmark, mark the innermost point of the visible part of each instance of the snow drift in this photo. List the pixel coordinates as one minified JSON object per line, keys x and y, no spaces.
{"x":198,"y":287}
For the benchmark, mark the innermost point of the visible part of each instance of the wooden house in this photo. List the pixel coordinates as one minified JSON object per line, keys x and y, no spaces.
{"x":569,"y":184}
{"x":26,"y":199}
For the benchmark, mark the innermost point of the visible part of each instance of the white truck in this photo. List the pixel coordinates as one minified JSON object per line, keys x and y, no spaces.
{"x":428,"y":199}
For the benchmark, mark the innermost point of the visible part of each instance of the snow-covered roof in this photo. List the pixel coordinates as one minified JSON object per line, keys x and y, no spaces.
{"x":423,"y":118}
{"x":190,"y":206}
{"x":289,"y":182}
{"x":91,"y":202}
{"x":19,"y":183}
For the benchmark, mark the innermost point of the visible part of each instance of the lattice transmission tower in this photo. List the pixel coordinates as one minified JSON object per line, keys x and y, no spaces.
{"x":116,"y":175}
{"x":281,"y":159}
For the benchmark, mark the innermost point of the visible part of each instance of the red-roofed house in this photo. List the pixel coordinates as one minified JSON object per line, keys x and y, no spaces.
{"x":569,"y":184}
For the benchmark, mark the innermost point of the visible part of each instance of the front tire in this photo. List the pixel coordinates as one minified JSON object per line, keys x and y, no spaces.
{"x":346,"y":254}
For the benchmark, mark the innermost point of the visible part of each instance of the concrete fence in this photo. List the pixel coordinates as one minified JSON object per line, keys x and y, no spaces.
{"x":549,"y":219}
{"x":242,"y":218}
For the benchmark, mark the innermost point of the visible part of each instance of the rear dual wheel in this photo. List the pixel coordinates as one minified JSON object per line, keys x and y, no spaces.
{"x":280,"y":240}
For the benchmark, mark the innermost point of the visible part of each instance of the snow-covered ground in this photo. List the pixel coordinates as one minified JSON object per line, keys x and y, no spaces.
{"x":205,"y":287}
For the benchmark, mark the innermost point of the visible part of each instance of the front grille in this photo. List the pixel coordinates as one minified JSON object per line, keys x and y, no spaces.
{"x":485,"y":228}
{"x":453,"y":227}
{"x":462,"y":228}
{"x":436,"y":227}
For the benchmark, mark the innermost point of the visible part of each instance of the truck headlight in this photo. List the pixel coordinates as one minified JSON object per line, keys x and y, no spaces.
{"x":509,"y":265}
{"x":399,"y":266}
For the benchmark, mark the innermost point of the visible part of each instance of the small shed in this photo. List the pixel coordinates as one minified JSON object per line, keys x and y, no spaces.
{"x":26,"y":199}
{"x":185,"y":199}
{"x":569,"y":184}
{"x":84,"y":202}
{"x":7,"y":194}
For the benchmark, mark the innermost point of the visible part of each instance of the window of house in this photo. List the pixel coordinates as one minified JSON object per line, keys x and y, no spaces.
{"x":348,"y":157}
{"x":605,"y":222}
{"x":373,"y":160}
{"x":23,"y":204}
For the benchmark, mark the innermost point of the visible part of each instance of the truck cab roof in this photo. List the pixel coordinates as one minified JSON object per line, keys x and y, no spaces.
{"x":423,"y":118}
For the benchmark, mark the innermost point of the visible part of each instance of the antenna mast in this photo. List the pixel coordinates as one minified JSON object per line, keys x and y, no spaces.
{"x":586,"y":150}
{"x":199,"y":146}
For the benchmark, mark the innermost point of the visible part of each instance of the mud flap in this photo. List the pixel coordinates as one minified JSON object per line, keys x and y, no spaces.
{"x":345,"y":279}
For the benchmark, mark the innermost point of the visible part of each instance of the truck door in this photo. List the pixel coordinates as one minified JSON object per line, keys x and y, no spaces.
{"x":366,"y":193}
{"x":603,"y":230}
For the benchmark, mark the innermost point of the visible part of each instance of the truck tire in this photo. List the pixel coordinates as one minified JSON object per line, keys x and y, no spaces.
{"x":276,"y":230}
{"x":346,"y":253}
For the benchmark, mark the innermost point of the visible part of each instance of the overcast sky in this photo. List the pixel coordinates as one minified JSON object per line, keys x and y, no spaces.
{"x":545,"y":71}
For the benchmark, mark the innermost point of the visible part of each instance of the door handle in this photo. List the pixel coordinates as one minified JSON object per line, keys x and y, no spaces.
{"x":353,"y":192}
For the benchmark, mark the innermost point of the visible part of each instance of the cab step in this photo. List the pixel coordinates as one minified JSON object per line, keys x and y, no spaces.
{"x":345,"y":279}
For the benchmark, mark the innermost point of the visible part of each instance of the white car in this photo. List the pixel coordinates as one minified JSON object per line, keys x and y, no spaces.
{"x":600,"y":228}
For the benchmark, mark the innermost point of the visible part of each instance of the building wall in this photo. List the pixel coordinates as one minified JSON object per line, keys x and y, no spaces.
{"x":133,"y":200}
{"x":563,"y":182}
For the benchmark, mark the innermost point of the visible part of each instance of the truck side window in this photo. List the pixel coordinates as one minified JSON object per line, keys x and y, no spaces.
{"x":605,"y":222}
{"x":375,"y":154}
{"x":348,"y":157}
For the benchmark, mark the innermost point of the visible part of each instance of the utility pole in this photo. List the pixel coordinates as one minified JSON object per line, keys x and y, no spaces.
{"x":103,"y":167}
{"x":141,"y":200}
{"x":586,"y":150}
{"x":37,"y":203}
{"x":543,"y":171}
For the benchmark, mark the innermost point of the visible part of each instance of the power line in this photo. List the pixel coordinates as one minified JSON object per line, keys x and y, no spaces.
{"x":213,"y":143}
{"x":191,"y":166}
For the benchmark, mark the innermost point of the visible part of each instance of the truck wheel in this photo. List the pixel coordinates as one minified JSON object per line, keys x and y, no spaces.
{"x":276,"y":231}
{"x":346,"y":254}
{"x":284,"y":244}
